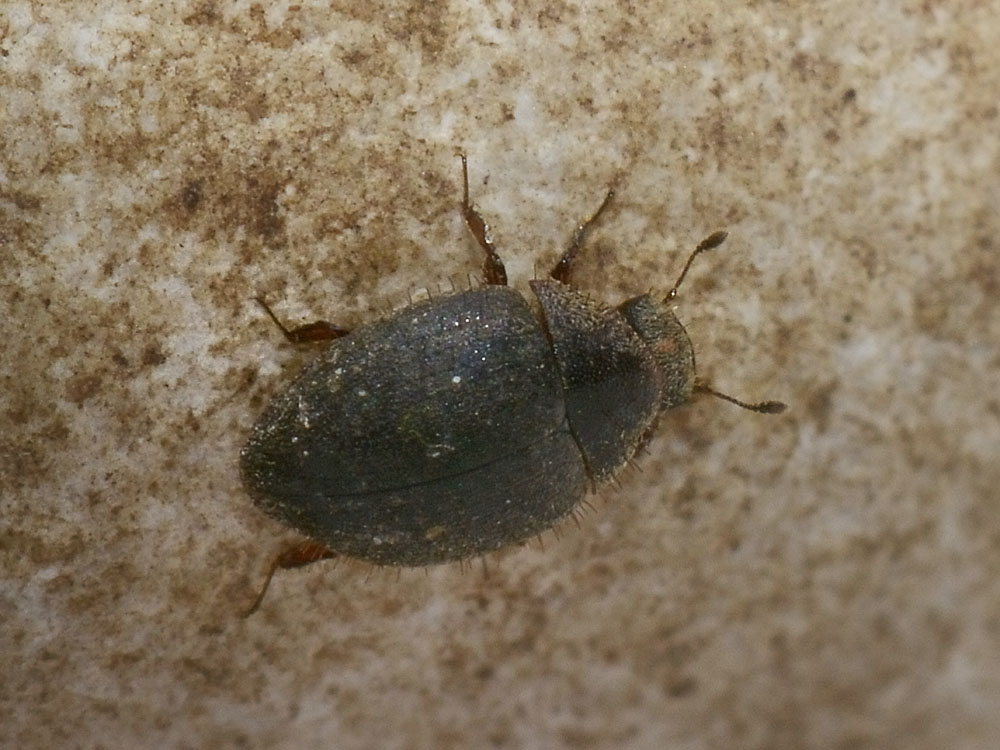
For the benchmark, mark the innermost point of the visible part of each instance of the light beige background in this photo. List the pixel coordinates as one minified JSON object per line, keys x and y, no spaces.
{"x":823,"y":579}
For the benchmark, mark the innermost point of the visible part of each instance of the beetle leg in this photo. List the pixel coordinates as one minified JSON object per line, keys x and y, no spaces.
{"x":562,"y":269}
{"x":318,"y":330}
{"x":493,"y":268}
{"x":294,"y":557}
{"x":761,"y":407}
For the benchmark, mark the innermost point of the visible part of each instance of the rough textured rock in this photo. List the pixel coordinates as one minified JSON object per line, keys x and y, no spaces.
{"x":826,"y":578}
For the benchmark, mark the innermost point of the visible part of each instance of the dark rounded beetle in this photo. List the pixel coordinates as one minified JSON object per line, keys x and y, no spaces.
{"x":461,"y":424}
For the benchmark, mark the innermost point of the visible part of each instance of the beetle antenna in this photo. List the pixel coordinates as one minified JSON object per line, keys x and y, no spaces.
{"x":762,"y":407}
{"x":712,"y":241}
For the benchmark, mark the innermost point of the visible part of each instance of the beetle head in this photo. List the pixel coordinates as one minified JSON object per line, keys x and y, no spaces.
{"x":663,"y":333}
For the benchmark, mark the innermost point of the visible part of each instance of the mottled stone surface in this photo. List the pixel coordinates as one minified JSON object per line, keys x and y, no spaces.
{"x":826,"y":578}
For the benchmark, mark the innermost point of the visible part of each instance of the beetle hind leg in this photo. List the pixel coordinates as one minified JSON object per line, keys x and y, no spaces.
{"x":318,"y":330}
{"x":294,"y":557}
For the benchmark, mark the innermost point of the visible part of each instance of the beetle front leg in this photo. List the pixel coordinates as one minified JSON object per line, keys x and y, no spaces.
{"x":562,"y":269}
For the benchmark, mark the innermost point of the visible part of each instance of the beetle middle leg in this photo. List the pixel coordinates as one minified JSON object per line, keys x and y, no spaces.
{"x":563,"y":268}
{"x":493,"y":268}
{"x":318,"y":330}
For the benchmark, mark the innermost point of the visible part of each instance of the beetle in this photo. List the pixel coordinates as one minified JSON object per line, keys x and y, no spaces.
{"x":461,"y":424}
